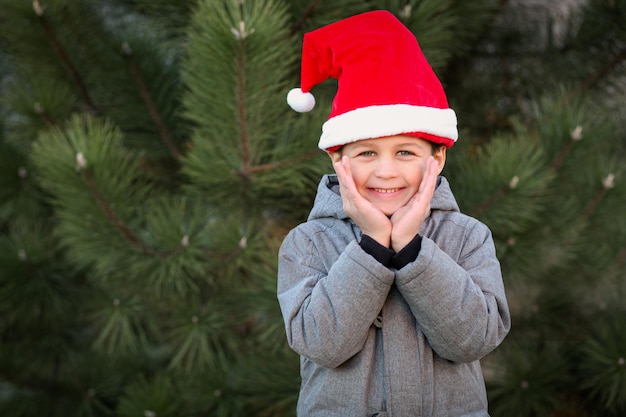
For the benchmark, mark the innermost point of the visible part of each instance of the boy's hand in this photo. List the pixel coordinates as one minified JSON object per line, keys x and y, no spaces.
{"x":372,"y":221}
{"x":407,"y":220}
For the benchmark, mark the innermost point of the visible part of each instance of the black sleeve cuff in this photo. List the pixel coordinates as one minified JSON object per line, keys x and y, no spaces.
{"x":407,"y":254}
{"x":378,"y":251}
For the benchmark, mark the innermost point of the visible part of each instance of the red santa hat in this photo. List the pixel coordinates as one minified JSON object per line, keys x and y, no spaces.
{"x":386,"y":86}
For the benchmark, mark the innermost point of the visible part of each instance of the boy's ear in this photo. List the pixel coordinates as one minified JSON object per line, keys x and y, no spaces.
{"x":440,"y":158}
{"x":335,"y":156}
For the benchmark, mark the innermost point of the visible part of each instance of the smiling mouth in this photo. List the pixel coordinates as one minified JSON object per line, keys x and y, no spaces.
{"x":386,"y":190}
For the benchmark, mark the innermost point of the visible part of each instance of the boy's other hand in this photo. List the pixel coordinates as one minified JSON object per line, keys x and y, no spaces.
{"x":407,"y":220}
{"x":371,"y":220}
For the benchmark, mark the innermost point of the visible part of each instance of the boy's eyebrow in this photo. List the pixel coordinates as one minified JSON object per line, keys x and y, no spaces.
{"x":367,"y":145}
{"x":412,"y":145}
{"x":359,"y":145}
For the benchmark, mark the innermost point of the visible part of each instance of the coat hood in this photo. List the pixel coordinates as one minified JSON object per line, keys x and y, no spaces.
{"x":328,"y":201}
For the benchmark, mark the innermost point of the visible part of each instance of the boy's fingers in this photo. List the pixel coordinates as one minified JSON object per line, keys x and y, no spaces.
{"x":344,"y":174}
{"x":345,"y":164}
{"x":339,"y":170}
{"x":430,"y":178}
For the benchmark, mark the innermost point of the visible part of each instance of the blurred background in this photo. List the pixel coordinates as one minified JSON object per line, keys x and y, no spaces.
{"x":150,"y":167}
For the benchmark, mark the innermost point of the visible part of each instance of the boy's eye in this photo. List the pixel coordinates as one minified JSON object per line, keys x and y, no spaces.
{"x":405,"y":153}
{"x":367,"y":153}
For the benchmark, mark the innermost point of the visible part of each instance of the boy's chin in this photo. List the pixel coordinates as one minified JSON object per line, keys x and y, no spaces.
{"x":388,"y":208}
{"x":388,"y":212}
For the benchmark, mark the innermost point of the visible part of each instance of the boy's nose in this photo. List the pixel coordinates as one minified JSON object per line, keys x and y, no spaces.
{"x":386,"y":169}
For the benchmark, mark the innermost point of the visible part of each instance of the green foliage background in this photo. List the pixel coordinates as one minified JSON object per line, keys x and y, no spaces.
{"x":149,"y":168}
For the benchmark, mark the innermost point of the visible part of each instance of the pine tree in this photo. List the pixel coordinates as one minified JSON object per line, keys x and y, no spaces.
{"x":149,"y":168}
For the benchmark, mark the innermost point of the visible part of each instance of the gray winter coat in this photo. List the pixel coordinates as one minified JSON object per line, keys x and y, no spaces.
{"x":385,"y":342}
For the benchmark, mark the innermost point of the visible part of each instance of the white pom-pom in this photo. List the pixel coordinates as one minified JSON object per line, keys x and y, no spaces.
{"x":300,"y":101}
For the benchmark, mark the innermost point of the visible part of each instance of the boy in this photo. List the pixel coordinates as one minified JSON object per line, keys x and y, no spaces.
{"x":389,"y":294}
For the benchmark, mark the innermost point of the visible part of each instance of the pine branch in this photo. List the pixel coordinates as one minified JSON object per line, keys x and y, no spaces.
{"x":127,"y":53}
{"x":108,"y":211}
{"x":575,"y":136}
{"x":593,"y":204}
{"x":44,"y":115}
{"x":489,"y":202}
{"x":61,"y":52}
{"x":117,"y":222}
{"x":602,"y":72}
{"x":297,"y":27}
{"x":282,"y":164}
{"x":495,"y":197}
{"x":244,"y":139}
{"x":607,"y":184}
{"x":560,"y":158}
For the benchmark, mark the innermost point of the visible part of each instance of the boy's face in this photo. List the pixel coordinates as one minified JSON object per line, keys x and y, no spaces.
{"x":388,"y":171}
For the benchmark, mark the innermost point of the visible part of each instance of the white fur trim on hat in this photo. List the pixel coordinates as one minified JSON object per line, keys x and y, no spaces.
{"x":387,"y":120}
